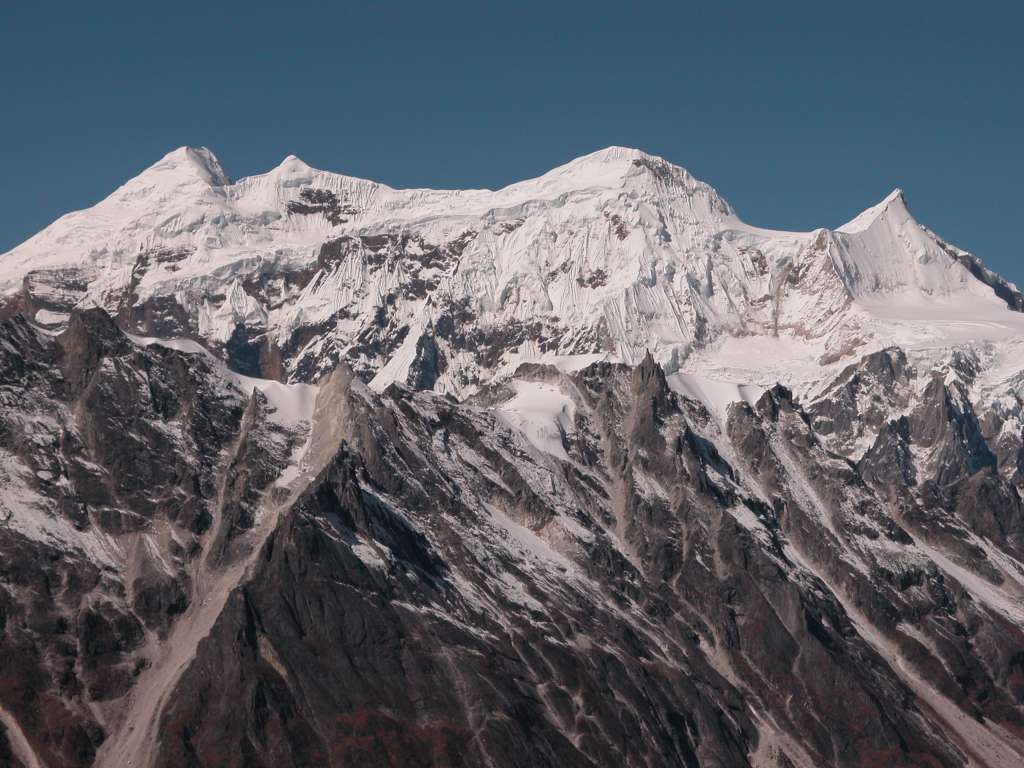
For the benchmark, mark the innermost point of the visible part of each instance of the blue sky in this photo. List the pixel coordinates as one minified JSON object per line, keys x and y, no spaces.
{"x":800,"y":115}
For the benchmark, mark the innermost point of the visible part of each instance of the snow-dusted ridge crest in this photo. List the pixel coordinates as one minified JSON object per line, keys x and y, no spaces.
{"x":614,"y":253}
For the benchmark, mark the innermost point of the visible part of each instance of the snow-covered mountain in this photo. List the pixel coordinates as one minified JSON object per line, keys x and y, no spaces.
{"x":305,"y":470}
{"x":609,"y":256}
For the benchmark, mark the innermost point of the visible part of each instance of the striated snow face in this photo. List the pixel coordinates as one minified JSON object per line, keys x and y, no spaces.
{"x":613,"y":254}
{"x":238,"y":308}
{"x":884,"y":251}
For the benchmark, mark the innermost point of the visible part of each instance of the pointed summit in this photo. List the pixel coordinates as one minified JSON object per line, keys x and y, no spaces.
{"x":293,"y":164}
{"x":894,"y":206}
{"x":292,"y":172}
{"x":183,"y":162}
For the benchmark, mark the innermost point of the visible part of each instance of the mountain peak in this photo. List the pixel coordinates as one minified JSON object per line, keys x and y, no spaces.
{"x":291,"y":172}
{"x":611,"y":168}
{"x":613,"y":153}
{"x":192,"y":161}
{"x":616,"y":157}
{"x":892,"y":205}
{"x":896,"y":194}
{"x":292,"y":164}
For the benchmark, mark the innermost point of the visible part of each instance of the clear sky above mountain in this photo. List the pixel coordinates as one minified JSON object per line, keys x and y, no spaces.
{"x":800,"y":115}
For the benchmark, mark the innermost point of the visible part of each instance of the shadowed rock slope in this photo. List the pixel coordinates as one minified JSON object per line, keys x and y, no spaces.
{"x":193,"y":576}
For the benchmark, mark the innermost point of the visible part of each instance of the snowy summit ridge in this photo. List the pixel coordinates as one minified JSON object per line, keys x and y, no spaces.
{"x":609,"y":255}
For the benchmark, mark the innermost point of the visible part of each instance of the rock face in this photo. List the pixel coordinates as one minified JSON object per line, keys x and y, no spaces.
{"x":419,"y":524}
